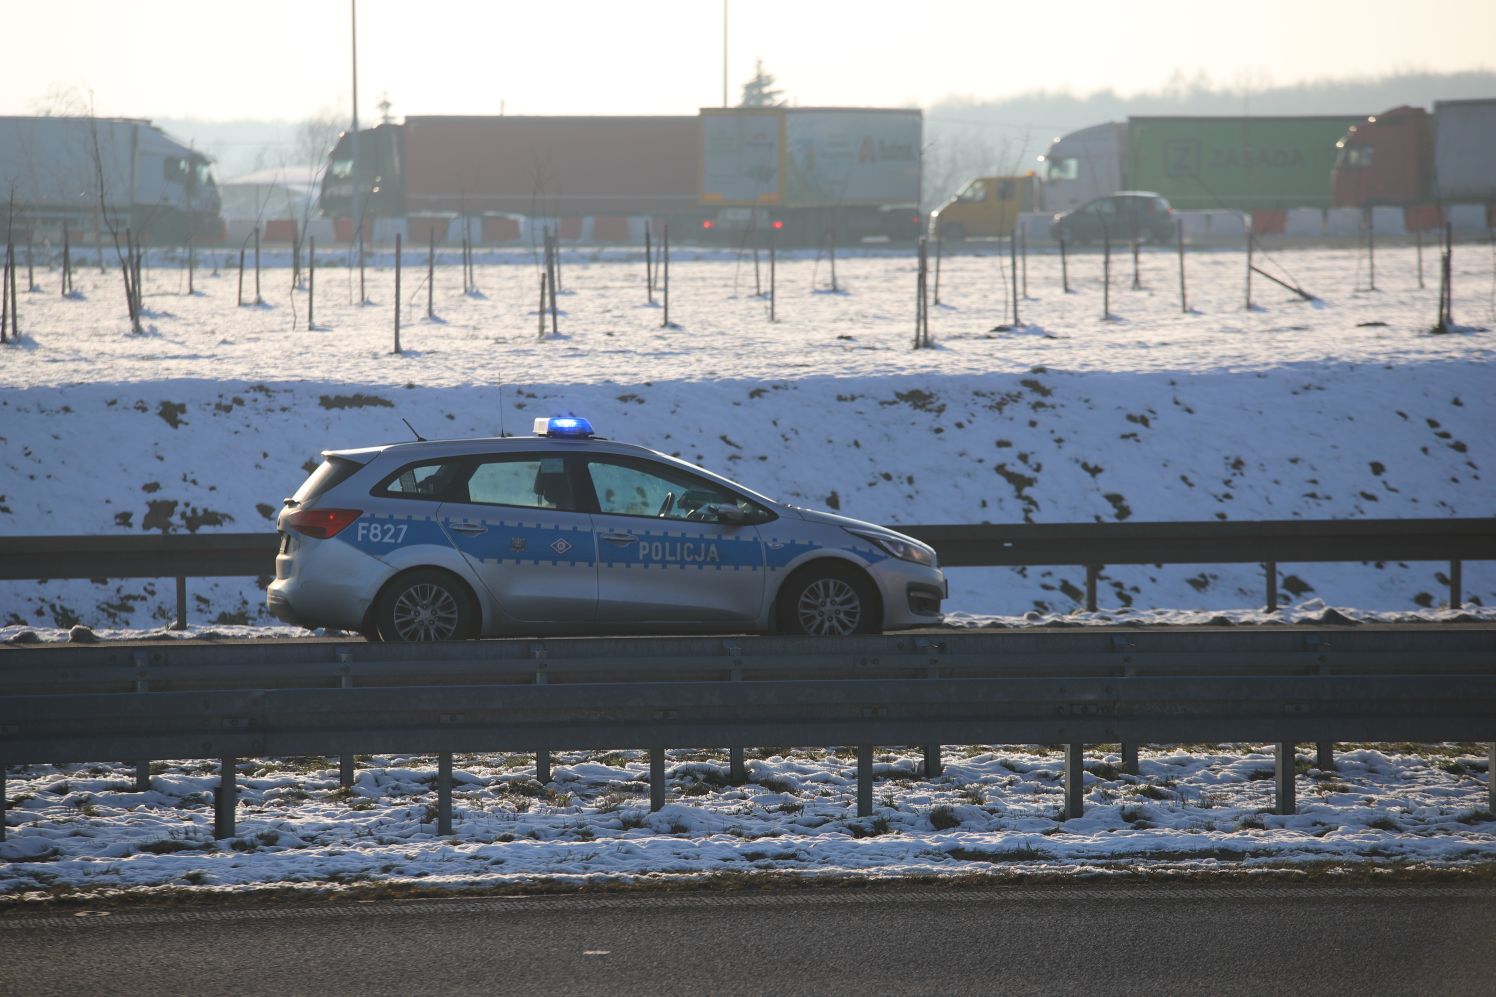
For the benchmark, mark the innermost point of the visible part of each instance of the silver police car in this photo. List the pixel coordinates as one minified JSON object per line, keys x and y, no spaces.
{"x":565,"y":532}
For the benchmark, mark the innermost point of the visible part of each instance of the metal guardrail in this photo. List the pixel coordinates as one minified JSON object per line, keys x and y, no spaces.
{"x":251,"y":699}
{"x":1090,"y":545}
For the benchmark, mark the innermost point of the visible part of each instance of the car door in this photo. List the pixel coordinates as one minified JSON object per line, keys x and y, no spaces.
{"x":661,"y":553}
{"x":516,"y":520}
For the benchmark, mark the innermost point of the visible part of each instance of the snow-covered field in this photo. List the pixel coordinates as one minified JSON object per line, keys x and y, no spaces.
{"x":1343,"y":407}
{"x":992,"y":812}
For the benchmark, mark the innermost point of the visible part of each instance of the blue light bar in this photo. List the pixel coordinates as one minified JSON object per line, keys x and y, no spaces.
{"x":563,"y":426}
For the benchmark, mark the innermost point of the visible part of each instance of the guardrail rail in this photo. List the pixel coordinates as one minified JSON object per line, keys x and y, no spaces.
{"x":1089,"y":545}
{"x":231,"y":700}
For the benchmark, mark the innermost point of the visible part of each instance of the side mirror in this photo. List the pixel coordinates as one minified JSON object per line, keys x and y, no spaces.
{"x":728,"y":513}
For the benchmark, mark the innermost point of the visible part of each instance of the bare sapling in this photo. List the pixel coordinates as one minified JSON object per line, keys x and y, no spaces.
{"x":311,"y":282}
{"x":397,"y":292}
{"x":665,"y":251}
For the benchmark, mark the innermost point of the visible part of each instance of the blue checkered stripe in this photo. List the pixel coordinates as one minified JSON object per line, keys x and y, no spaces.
{"x":528,"y":543}
{"x":666,"y":549}
{"x":781,"y":553}
{"x":376,"y":535}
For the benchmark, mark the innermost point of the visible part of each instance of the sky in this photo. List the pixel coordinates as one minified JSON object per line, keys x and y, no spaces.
{"x":290,"y":60}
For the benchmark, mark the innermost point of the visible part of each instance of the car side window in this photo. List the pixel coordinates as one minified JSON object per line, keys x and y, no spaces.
{"x":434,"y":480}
{"x":975,"y":191}
{"x":637,"y":488}
{"x":532,"y":482}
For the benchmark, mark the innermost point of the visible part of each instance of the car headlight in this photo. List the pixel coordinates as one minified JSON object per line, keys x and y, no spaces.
{"x":904,"y":550}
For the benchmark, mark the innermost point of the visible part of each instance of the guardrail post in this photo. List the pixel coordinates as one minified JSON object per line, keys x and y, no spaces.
{"x":542,"y":755}
{"x":932,"y":750}
{"x":1271,"y":570}
{"x":932,"y":761}
{"x":1129,"y":749}
{"x":1093,"y":571}
{"x":1283,"y":777}
{"x":736,"y":772}
{"x":444,"y":793}
{"x":2,"y":800}
{"x":1456,"y":584}
{"x":1075,"y":779}
{"x":224,"y":799}
{"x":864,"y":780}
{"x":181,"y":603}
{"x":345,"y":762}
{"x":1130,"y":757}
{"x":1490,"y":778}
{"x":142,"y":684}
{"x":1324,"y":755}
{"x":656,"y":779}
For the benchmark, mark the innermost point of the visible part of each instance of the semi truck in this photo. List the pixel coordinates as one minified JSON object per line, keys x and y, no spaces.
{"x":1424,"y":163}
{"x":565,"y":166}
{"x":802,"y":171}
{"x":53,"y":171}
{"x":1200,"y":163}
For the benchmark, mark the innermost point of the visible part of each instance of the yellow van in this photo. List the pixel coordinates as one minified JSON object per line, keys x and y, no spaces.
{"x":987,"y":206}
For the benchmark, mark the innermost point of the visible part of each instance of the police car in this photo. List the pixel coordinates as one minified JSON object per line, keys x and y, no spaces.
{"x":566,"y":532}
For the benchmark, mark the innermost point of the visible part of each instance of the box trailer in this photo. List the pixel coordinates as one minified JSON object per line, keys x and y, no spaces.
{"x":88,"y":172}
{"x":1199,"y":163}
{"x":812,"y":174}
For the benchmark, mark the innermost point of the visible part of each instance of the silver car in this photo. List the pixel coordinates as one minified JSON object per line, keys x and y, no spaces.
{"x":564,"y":532}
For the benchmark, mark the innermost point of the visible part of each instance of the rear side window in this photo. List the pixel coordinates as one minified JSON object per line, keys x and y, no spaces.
{"x":332,"y":472}
{"x":437,"y":480}
{"x":531,"y":482}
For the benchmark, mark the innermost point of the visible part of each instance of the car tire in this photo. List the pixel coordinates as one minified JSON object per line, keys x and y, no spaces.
{"x":829,"y":601}
{"x":425,"y":605}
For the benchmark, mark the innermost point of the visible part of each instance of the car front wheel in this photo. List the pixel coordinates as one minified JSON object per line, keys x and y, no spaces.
{"x":425,"y":605}
{"x":828,"y":602}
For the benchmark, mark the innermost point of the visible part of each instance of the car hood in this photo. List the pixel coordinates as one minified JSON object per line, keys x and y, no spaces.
{"x":832,"y":519}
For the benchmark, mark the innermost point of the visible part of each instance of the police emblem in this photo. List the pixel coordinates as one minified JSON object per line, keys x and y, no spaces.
{"x":517,"y":544}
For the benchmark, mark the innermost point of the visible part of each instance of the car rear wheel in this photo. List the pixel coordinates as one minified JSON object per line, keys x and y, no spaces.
{"x":828,"y":602}
{"x":425,"y":605}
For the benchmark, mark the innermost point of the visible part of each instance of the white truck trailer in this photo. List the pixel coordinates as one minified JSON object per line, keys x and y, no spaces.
{"x":88,"y":173}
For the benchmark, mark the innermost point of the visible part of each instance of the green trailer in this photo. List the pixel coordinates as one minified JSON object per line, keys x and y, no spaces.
{"x":1241,"y":164}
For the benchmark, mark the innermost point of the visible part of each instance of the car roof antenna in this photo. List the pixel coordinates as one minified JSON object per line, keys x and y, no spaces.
{"x":418,"y":436}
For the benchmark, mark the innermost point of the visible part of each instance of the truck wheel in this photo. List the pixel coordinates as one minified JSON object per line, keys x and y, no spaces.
{"x":828,"y":602}
{"x":425,"y":605}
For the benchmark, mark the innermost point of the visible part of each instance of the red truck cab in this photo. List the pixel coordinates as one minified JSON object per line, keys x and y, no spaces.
{"x":1386,"y":160}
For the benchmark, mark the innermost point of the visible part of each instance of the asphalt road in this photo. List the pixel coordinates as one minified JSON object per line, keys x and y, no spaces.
{"x":1140,"y":938}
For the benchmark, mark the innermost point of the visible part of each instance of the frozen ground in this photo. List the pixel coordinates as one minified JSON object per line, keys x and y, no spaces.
{"x":992,"y":812}
{"x":1345,"y":407}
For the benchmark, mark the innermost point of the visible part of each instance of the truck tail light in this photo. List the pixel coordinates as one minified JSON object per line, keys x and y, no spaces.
{"x":323,"y":524}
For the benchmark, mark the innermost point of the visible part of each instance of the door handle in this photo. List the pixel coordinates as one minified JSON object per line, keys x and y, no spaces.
{"x":468,"y":529}
{"x":620,"y":538}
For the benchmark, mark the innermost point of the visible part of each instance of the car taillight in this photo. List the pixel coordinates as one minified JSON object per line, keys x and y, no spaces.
{"x":708,"y":223}
{"x":776,"y":224}
{"x":322,"y":524}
